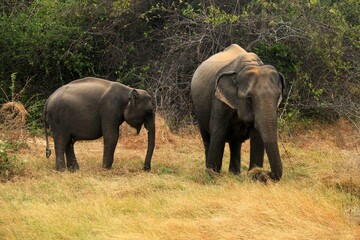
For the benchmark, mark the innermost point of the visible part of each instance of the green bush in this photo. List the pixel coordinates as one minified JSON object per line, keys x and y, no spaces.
{"x":10,"y":165}
{"x":158,"y":44}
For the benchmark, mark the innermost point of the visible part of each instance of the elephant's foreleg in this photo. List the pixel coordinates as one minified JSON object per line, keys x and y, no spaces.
{"x":256,"y":150}
{"x":71,"y":161}
{"x":215,"y":154}
{"x":109,"y":149}
{"x":219,"y":128}
{"x":235,"y":157}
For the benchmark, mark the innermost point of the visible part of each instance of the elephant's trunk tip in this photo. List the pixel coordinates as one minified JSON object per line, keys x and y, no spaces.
{"x":147,"y":168}
{"x":276,"y":173}
{"x":276,"y":176}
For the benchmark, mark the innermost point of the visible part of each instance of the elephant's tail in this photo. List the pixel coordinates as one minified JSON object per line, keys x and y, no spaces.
{"x":48,"y":151}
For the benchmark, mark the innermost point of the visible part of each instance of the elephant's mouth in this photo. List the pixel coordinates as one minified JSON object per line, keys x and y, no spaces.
{"x":137,"y":126}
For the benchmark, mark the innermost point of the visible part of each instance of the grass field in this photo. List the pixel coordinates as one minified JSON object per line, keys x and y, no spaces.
{"x":317,"y":198}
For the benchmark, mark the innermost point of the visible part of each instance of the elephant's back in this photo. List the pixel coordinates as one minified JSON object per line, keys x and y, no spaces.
{"x":205,"y":75}
{"x":89,"y":85}
{"x":86,"y":88}
{"x":79,"y":96}
{"x":75,"y":91}
{"x":227,"y":55}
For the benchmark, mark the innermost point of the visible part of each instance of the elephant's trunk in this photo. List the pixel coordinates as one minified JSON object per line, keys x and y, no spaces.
{"x":272,"y":151}
{"x":150,"y":126}
{"x":267,"y":127}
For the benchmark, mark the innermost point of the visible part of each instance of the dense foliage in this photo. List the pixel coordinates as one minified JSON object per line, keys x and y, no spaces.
{"x":157,"y":45}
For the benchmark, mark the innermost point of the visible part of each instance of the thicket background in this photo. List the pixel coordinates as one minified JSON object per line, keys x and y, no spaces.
{"x":158,"y":44}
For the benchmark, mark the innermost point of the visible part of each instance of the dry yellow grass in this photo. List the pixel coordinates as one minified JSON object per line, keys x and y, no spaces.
{"x":13,"y":114}
{"x":12,"y":119}
{"x":318,"y":197}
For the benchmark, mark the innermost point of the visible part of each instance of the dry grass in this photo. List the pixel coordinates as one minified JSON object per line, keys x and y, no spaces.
{"x":13,"y":113}
{"x":12,"y":121}
{"x":318,"y":197}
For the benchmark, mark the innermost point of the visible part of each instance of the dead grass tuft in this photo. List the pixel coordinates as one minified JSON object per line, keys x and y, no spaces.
{"x":12,"y":121}
{"x":13,"y":114}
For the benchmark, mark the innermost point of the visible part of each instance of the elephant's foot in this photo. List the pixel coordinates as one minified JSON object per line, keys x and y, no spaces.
{"x":147,"y":168}
{"x":74,"y":167}
{"x":107,"y":163}
{"x":106,"y":166}
{"x":234,"y":171}
{"x":212,"y":173}
{"x":60,"y":168}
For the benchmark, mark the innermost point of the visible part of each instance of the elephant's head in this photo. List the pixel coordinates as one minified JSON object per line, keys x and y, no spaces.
{"x":255,"y":91}
{"x":139,"y":111}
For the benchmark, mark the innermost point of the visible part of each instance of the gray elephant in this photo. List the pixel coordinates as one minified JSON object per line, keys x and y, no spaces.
{"x":89,"y":108}
{"x":236,"y":98}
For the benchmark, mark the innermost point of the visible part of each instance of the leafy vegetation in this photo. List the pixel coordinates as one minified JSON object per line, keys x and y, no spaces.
{"x":10,"y":164}
{"x":158,"y":44}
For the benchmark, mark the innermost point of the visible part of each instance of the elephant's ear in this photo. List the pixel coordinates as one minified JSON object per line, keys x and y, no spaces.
{"x":225,"y":89}
{"x":133,"y":95}
{"x":283,"y":87}
{"x":283,"y":83}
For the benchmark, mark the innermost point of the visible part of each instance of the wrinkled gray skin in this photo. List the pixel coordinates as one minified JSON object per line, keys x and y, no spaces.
{"x":89,"y":108}
{"x":236,"y":98}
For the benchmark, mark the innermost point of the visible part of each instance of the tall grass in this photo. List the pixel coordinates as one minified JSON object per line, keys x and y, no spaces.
{"x":177,"y":200}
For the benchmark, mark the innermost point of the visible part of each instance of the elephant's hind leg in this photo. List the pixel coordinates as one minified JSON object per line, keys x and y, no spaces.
{"x":60,"y":144}
{"x":206,"y":140}
{"x":71,"y":161}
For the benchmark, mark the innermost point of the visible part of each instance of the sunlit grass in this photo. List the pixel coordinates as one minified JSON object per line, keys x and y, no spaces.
{"x":316,"y":199}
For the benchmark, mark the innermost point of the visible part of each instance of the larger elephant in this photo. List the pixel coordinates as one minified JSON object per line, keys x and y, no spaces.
{"x":89,"y":108}
{"x":236,"y":98}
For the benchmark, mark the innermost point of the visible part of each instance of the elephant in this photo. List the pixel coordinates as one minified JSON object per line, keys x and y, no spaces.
{"x":236,"y":96}
{"x":90,"y":108}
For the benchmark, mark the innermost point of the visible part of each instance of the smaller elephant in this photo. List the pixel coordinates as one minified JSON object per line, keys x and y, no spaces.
{"x":90,"y":108}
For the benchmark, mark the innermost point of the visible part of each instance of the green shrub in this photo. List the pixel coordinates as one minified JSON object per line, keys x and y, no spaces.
{"x":10,"y":165}
{"x":158,"y":44}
